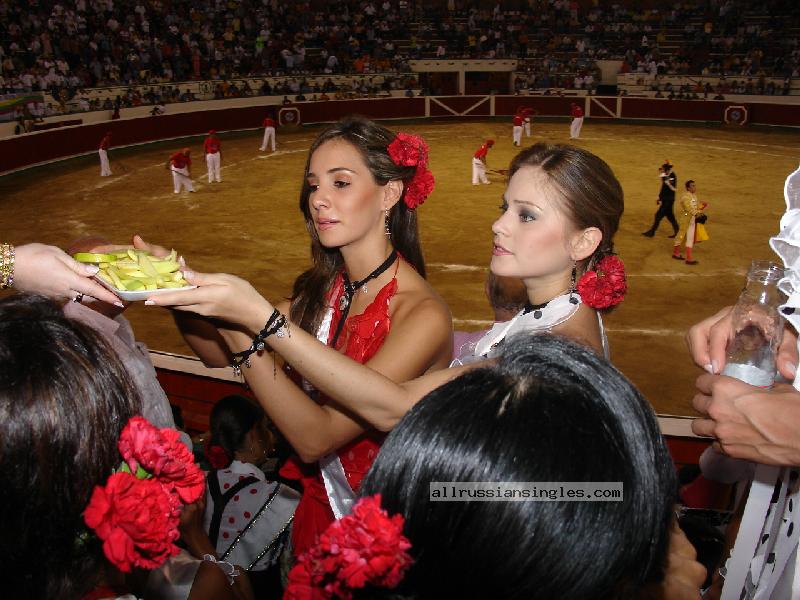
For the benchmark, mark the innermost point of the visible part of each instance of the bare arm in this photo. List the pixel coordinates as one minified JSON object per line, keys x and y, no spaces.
{"x":365,"y":395}
{"x":204,"y":339}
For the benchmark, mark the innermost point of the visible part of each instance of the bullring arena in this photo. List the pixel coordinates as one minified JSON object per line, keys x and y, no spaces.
{"x":250,"y":225}
{"x":321,"y":492}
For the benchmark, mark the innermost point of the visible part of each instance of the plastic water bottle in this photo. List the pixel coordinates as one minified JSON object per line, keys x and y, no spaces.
{"x":757,"y":327}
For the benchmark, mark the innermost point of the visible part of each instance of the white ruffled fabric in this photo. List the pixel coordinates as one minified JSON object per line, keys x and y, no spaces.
{"x":557,"y":311}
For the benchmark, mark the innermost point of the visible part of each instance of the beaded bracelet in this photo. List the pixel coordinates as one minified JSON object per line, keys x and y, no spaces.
{"x":276,"y":325}
{"x":6,"y":266}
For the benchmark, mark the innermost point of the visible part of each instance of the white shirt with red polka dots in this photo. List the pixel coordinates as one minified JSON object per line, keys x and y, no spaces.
{"x":241,"y":509}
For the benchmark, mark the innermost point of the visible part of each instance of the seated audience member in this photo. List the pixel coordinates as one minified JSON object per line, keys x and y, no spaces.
{"x":57,"y":445}
{"x":507,"y":296}
{"x":108,"y":321}
{"x":72,"y":526}
{"x":247,"y":516}
{"x":550,"y":410}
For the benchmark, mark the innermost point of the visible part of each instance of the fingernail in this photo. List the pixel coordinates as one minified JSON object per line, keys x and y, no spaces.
{"x":181,"y":262}
{"x":714,"y":367}
{"x":91,"y":269}
{"x":188,"y":274}
{"x":791,"y":368}
{"x":120,"y":304}
{"x":709,"y":368}
{"x":149,"y":303}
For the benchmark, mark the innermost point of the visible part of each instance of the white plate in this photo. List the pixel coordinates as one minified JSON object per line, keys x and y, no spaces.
{"x":141,"y":294}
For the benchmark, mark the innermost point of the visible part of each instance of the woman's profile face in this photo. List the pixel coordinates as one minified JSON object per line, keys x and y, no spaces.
{"x":345,"y":202}
{"x":531,"y":237}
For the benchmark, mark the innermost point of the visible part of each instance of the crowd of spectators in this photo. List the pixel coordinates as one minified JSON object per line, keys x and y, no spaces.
{"x":64,"y":46}
{"x":95,"y":43}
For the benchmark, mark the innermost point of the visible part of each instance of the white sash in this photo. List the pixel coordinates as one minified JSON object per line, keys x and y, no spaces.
{"x":340,"y":495}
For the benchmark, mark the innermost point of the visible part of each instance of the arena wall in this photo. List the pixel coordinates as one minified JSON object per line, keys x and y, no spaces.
{"x":196,"y":118}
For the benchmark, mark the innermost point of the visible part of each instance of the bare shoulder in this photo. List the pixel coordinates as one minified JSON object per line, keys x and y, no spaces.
{"x":583,"y":327}
{"x":416,"y":297}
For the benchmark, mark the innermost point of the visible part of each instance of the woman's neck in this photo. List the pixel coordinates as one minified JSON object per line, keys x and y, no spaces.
{"x":544,"y":289}
{"x":361,"y":260}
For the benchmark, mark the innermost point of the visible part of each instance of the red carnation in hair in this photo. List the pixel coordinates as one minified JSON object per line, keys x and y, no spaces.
{"x":161,"y":453}
{"x":407,"y":150}
{"x":216,"y":456}
{"x":366,"y":547}
{"x":604,"y":286}
{"x":137,"y":519}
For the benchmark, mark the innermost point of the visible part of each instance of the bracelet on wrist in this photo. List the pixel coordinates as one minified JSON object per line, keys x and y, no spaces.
{"x":6,"y":266}
{"x":276,"y":325}
{"x":230,"y":570}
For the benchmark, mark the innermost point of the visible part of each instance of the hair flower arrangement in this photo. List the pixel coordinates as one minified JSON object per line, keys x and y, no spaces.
{"x":408,"y":150}
{"x":365,"y":547}
{"x":216,"y":456}
{"x":605,"y":285}
{"x":136,"y":512}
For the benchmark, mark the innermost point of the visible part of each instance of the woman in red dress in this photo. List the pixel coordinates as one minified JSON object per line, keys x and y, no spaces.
{"x":365,"y":295}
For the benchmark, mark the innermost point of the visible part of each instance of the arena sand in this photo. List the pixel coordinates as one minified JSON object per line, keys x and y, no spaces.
{"x":250,"y":224}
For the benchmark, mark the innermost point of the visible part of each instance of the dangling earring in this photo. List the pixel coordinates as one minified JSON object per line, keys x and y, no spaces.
{"x":386,"y":227}
{"x":573,"y":291}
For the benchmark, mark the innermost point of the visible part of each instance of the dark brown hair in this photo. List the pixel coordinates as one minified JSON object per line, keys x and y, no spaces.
{"x":372,"y":141}
{"x":64,"y":398}
{"x":591,"y":194}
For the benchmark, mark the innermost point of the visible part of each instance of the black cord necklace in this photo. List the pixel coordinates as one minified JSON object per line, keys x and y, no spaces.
{"x":350,"y":290}
{"x":537,"y":309}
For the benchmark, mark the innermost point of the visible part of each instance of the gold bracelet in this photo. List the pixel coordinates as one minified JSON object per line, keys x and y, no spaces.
{"x":6,"y":266}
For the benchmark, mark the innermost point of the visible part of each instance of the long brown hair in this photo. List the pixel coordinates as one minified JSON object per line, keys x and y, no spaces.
{"x":372,"y":141}
{"x":591,"y":194}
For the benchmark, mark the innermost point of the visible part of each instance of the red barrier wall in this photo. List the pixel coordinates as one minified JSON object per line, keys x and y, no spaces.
{"x":25,"y":150}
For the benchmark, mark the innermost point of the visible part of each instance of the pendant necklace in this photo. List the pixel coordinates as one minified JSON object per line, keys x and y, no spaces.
{"x":350,"y":290}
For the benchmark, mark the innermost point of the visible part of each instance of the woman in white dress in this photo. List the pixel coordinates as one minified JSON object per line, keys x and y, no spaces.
{"x":555,"y":232}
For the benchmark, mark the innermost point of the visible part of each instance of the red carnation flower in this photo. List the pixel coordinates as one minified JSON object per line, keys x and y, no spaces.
{"x":411,"y":151}
{"x":408,"y":150}
{"x":604,"y":286}
{"x":161,"y":453}
{"x":365,"y":547}
{"x":136,"y":519}
{"x":216,"y":456}
{"x":419,"y":188}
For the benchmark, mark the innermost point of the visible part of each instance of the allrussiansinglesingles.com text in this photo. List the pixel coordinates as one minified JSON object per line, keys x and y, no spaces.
{"x":526,"y":491}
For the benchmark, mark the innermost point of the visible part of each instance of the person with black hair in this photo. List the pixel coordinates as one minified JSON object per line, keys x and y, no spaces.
{"x":365,"y":298}
{"x":665,"y":201}
{"x":247,"y":516}
{"x":59,"y":449}
{"x":56,"y":445}
{"x":549,"y":410}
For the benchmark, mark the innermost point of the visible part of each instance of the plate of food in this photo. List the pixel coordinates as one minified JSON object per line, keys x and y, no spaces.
{"x":134,"y":274}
